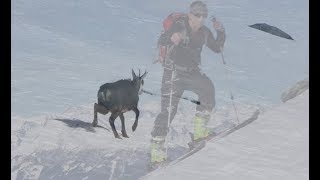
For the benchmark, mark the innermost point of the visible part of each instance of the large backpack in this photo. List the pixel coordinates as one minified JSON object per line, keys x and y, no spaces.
{"x":171,"y":18}
{"x":167,"y":23}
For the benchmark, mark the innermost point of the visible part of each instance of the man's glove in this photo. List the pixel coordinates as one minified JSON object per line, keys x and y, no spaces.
{"x":217,"y":25}
{"x":162,"y":54}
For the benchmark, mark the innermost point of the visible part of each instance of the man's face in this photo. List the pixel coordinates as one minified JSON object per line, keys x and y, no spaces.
{"x":198,"y":19}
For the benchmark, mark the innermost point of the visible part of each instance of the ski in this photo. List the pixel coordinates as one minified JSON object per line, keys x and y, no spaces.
{"x":217,"y":134}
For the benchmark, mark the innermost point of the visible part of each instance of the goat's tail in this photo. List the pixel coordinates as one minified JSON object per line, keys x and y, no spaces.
{"x":101,"y":96}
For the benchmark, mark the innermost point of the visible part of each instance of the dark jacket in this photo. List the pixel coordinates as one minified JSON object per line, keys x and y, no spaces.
{"x":188,"y":52}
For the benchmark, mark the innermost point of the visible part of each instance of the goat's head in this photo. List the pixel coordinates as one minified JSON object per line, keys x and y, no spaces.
{"x":138,"y":80}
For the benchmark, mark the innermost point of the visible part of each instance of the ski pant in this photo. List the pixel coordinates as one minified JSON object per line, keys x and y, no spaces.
{"x":193,"y":81}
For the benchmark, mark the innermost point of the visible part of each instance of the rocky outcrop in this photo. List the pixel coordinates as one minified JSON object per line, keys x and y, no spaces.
{"x":295,"y":90}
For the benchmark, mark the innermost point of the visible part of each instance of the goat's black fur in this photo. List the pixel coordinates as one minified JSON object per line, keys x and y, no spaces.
{"x":118,"y":98}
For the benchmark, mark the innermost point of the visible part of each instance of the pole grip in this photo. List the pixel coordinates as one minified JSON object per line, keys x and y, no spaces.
{"x":212,"y":18}
{"x":223,"y":61}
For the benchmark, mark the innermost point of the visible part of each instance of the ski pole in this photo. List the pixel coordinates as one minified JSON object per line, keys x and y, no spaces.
{"x":228,"y":79}
{"x":213,"y":19}
{"x":185,"y":98}
{"x":169,"y":110}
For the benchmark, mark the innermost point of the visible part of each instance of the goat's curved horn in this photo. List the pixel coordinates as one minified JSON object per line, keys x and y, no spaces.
{"x":139,"y":72}
{"x":144,"y":74}
{"x":133,"y":74}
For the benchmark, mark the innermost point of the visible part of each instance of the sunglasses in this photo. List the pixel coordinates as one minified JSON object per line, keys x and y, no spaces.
{"x":198,"y":15}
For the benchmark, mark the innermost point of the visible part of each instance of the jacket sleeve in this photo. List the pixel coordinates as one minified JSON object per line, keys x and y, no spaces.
{"x":215,"y":44}
{"x":165,"y":38}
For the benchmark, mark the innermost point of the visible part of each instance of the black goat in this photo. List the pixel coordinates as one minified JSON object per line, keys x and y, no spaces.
{"x":118,"y":98}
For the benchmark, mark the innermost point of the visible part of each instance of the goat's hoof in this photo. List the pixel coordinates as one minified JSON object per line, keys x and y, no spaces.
{"x":118,"y":137}
{"x":134,"y":128}
{"x":94,"y":124}
{"x":124,"y":134}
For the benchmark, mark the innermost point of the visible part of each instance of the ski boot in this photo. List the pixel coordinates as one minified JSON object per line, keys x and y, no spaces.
{"x":157,"y":152}
{"x":201,"y":131}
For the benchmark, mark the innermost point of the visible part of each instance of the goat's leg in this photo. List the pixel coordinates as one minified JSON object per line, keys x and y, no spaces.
{"x":111,"y":121}
{"x":123,"y":128}
{"x":97,"y":108}
{"x":95,"y":116}
{"x":135,"y":124}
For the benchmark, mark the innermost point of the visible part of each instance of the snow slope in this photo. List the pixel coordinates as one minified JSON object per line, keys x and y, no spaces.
{"x":276,"y":146}
{"x":66,"y":146}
